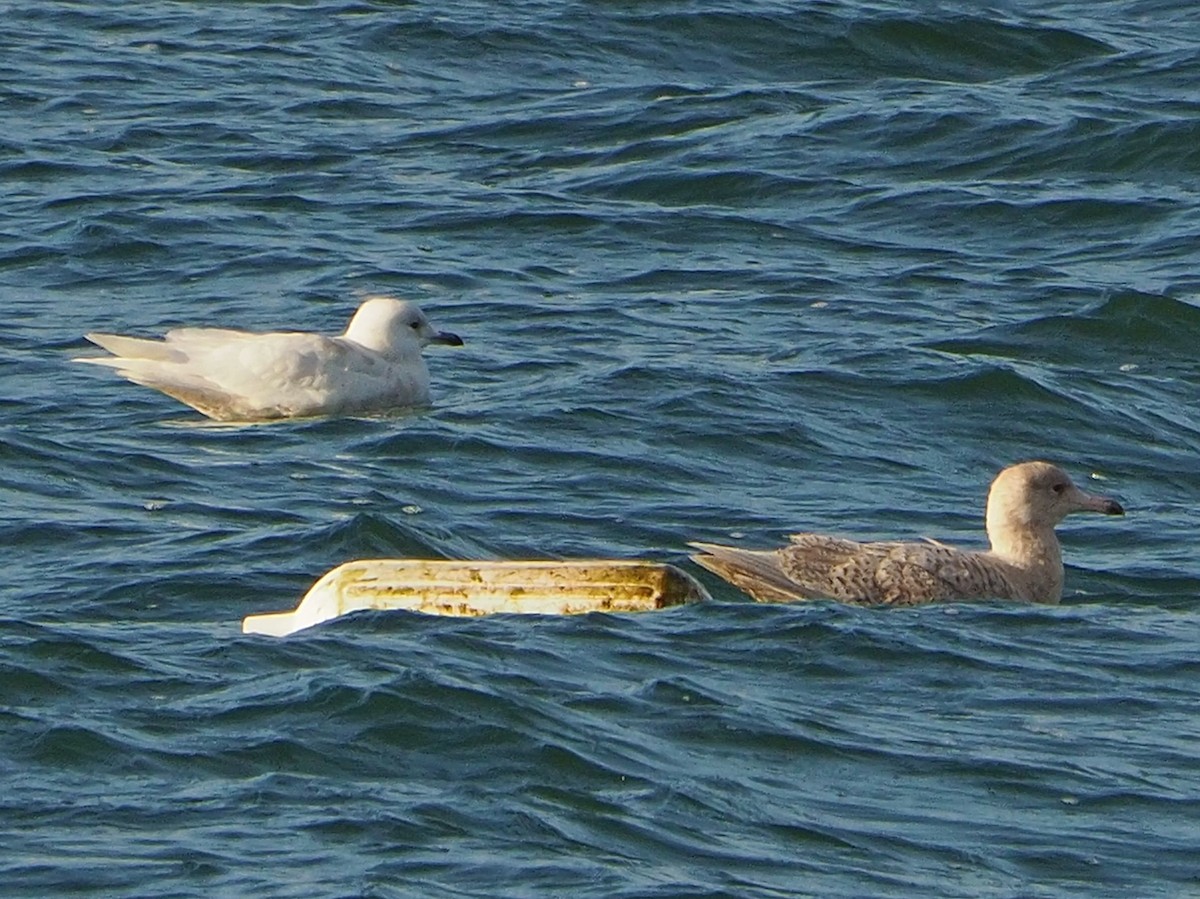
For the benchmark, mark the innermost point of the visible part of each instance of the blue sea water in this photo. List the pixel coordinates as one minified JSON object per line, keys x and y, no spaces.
{"x":725,"y":271}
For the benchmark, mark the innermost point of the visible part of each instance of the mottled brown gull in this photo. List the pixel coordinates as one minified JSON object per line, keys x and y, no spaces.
{"x":1024,"y":563}
{"x":375,"y":366}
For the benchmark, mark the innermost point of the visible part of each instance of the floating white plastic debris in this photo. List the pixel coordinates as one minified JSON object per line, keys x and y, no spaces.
{"x":484,"y":588}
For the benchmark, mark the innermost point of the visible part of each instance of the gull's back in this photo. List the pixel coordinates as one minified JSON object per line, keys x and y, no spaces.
{"x":239,"y":376}
{"x":816,"y":566}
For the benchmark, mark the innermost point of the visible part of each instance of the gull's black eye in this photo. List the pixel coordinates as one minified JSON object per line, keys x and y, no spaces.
{"x":1059,"y":488}
{"x":416,"y":326}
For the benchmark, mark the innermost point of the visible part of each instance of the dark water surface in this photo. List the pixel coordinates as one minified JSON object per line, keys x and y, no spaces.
{"x":725,"y":271}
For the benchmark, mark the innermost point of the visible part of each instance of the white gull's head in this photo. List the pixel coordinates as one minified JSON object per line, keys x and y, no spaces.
{"x":394,"y":328}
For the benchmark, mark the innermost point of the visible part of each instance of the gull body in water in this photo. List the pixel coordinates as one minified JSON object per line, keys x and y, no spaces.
{"x":374,"y":366}
{"x":1025,"y":503}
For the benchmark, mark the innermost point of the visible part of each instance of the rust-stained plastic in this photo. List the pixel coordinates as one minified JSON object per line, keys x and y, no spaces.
{"x":484,"y":588}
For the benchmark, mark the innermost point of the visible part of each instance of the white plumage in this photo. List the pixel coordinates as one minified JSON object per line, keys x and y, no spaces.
{"x":375,"y":366}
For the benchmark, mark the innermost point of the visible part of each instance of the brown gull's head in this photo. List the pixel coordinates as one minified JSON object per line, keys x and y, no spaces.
{"x":1032,"y":497}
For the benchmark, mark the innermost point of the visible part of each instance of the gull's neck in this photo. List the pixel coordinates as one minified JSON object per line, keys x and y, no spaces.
{"x":1035,"y":553}
{"x":379,"y":342}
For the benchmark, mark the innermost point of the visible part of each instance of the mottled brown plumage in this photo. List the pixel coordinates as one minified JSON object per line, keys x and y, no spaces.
{"x":1024,"y":563}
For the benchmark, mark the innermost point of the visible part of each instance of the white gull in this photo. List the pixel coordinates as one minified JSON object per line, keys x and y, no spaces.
{"x":375,"y":366}
{"x":1024,"y":563}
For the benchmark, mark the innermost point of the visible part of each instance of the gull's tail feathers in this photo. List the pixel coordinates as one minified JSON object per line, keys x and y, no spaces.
{"x":757,"y":572}
{"x":131,"y":348}
{"x":169,"y":378}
